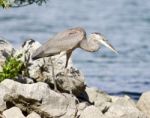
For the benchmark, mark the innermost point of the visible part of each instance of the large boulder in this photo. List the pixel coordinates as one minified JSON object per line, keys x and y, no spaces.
{"x":40,"y":98}
{"x":124,"y":107}
{"x":91,"y":112}
{"x":38,"y":91}
{"x":144,"y":103}
{"x":3,"y":91}
{"x":95,"y":96}
{"x":81,"y":106}
{"x":73,"y":81}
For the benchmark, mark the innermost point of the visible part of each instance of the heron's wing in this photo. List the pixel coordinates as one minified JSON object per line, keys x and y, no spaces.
{"x":63,"y":41}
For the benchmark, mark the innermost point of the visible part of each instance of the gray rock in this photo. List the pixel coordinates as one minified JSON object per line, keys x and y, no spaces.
{"x":40,"y":98}
{"x":13,"y":112}
{"x":74,"y":81}
{"x":124,"y":107}
{"x":81,"y":106}
{"x":144,"y":103}
{"x":28,"y":47}
{"x":91,"y":112}
{"x":103,"y":107}
{"x":33,"y":115}
{"x":38,"y":91}
{"x":133,"y":115}
{"x":5,"y":50}
{"x":95,"y":96}
{"x":63,"y":106}
{"x":3,"y":91}
{"x":115,"y":98}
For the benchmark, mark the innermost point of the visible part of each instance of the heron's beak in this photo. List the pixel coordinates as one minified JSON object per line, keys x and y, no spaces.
{"x":108,"y":45}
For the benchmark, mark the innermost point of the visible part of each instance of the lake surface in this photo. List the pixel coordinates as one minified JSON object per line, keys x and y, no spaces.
{"x":125,"y":23}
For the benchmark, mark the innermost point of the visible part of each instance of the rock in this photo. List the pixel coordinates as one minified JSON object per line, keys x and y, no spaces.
{"x":42,"y":71}
{"x":13,"y":112}
{"x":103,"y":107}
{"x":74,"y":81}
{"x":3,"y":91}
{"x":24,"y":80}
{"x":5,"y":50}
{"x":33,"y":115}
{"x":63,"y":106}
{"x":95,"y":96}
{"x":133,"y":115}
{"x":81,"y":106}
{"x":144,"y":103}
{"x":91,"y":112}
{"x":28,"y":47}
{"x":37,"y":91}
{"x":40,"y":98}
{"x":124,"y":107}
{"x":115,"y":98}
{"x":125,"y":101}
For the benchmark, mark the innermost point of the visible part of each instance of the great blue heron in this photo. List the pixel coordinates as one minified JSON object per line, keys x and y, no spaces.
{"x":68,"y":41}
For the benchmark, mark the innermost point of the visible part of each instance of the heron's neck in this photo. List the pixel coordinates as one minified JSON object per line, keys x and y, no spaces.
{"x":89,"y":45}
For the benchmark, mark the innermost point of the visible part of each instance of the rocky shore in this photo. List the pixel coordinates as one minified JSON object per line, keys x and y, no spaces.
{"x":34,"y":97}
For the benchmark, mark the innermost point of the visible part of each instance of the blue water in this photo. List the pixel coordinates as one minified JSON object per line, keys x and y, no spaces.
{"x":125,"y":23}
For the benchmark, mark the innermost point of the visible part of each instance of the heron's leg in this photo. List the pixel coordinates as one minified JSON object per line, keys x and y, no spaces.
{"x":67,"y":71}
{"x":53,"y":75}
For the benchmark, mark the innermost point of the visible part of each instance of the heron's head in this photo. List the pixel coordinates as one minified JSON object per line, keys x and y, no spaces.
{"x":102,"y":40}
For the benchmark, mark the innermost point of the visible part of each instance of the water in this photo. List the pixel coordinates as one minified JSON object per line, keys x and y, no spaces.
{"x":126,"y":24}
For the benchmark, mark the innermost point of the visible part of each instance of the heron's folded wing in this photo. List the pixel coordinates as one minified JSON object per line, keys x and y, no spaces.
{"x":63,"y":41}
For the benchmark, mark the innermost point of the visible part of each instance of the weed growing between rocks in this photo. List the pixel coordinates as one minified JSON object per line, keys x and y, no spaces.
{"x":13,"y":67}
{"x":4,"y":3}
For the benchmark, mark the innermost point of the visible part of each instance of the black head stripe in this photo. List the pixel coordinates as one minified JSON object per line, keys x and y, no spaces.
{"x":97,"y":33}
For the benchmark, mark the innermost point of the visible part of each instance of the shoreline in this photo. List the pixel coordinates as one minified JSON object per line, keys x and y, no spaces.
{"x":34,"y":97}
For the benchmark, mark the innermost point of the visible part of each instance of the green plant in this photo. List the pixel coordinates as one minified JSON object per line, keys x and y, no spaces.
{"x":19,"y":3}
{"x":4,"y":3}
{"x":11,"y":68}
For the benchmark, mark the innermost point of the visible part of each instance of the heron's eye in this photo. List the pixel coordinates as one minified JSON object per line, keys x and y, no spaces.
{"x":104,"y":39}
